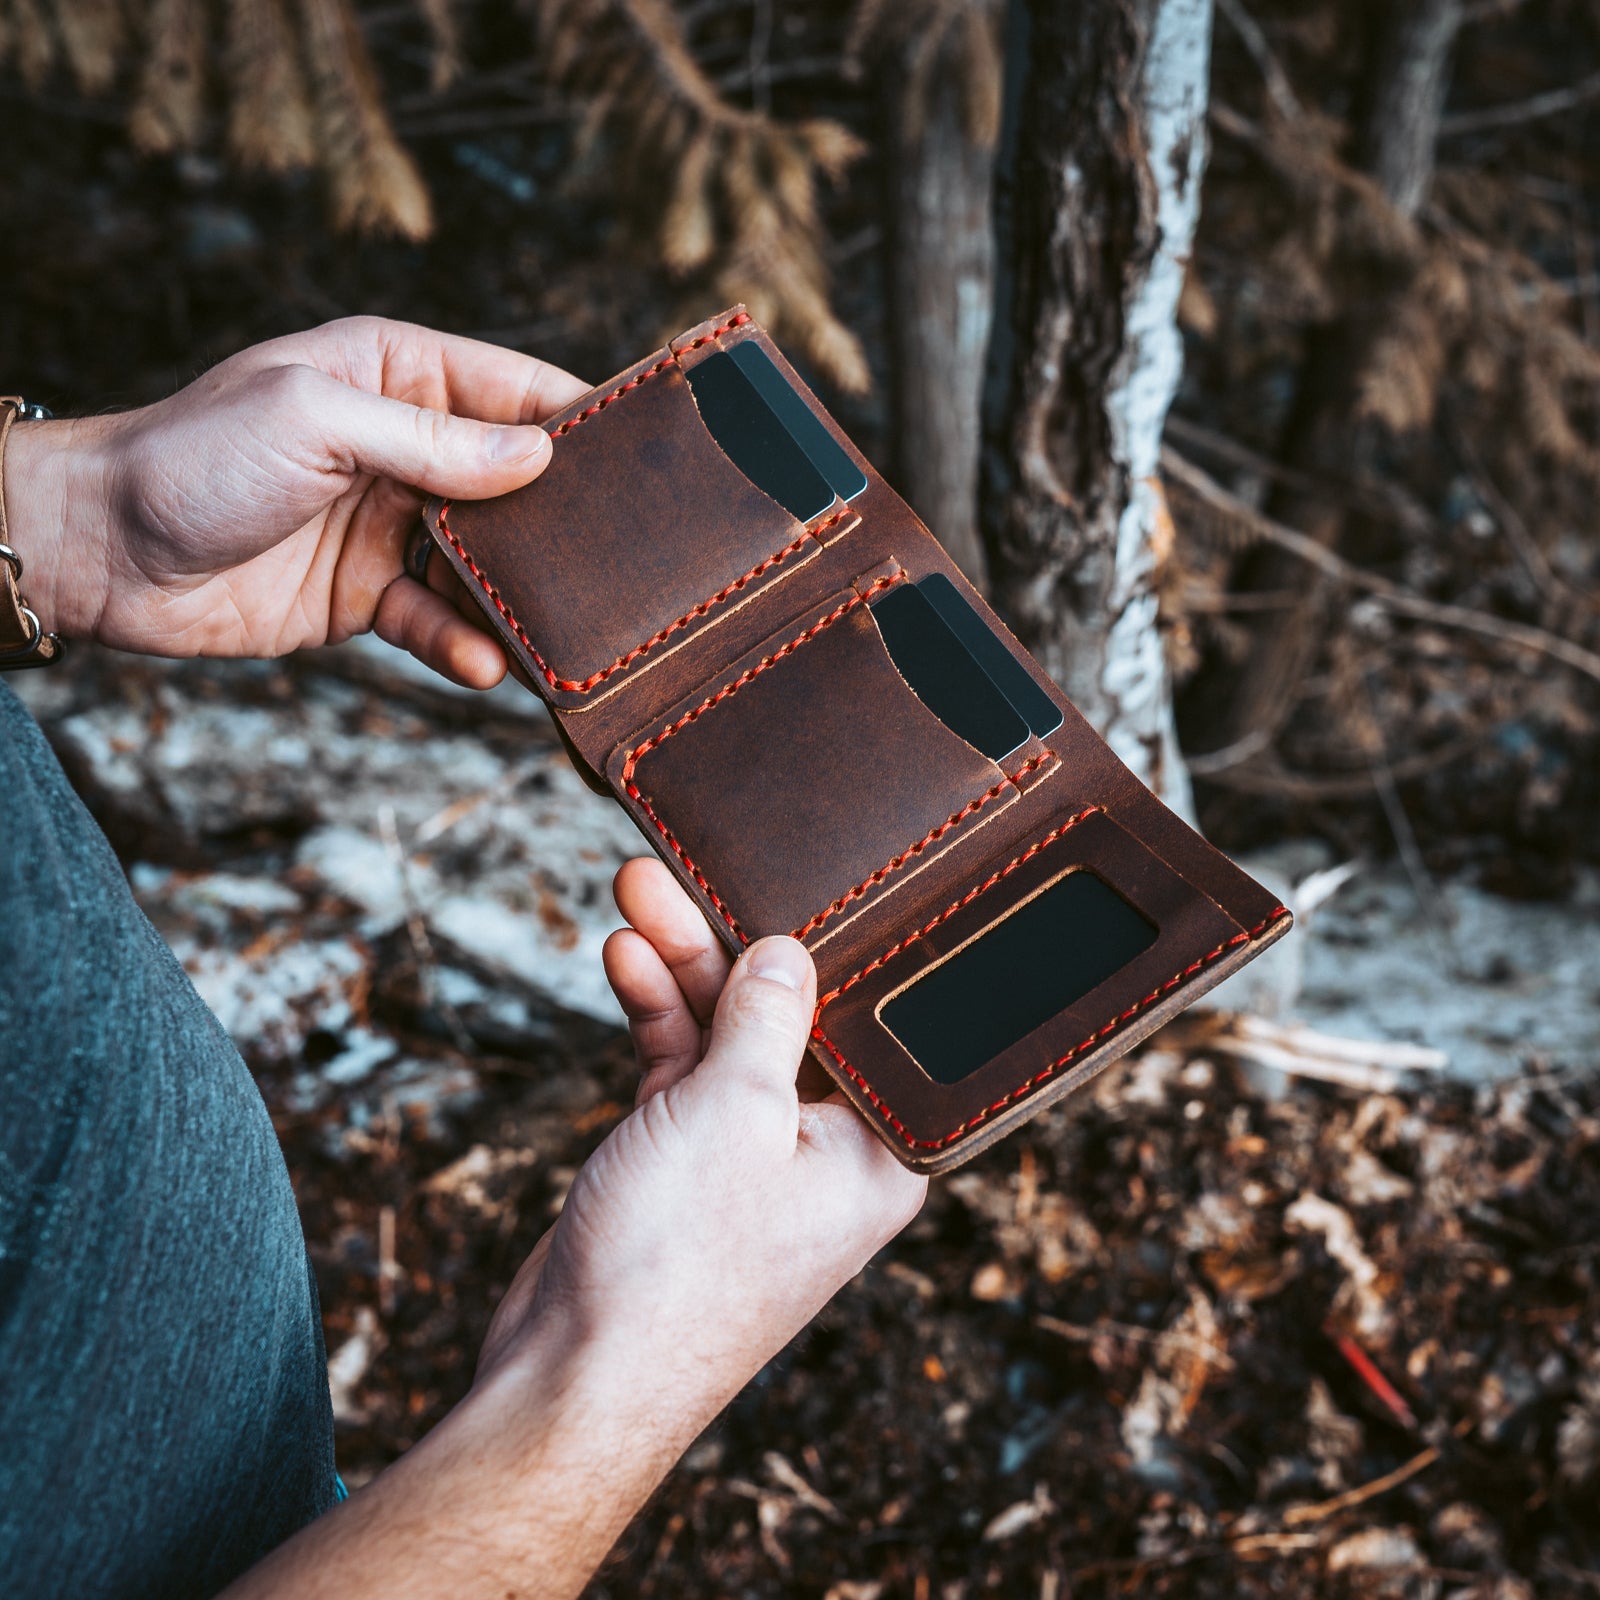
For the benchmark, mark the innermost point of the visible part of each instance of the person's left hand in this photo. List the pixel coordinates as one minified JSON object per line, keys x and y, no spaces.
{"x":266,"y":506}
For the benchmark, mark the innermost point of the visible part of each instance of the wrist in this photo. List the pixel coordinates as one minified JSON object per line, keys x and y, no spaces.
{"x":595,"y":1400}
{"x":56,"y":478}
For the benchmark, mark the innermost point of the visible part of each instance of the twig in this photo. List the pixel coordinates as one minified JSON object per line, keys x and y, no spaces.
{"x":1506,"y":515}
{"x":1275,"y":780}
{"x":1230,"y":755}
{"x":1433,"y":905}
{"x":1369,"y":1066}
{"x":443,"y":820}
{"x":1086,"y":1333}
{"x":1385,"y":502}
{"x":1200,"y":483}
{"x":1254,"y":40}
{"x":1323,"y":1509}
{"x":1373,"y":1376}
{"x":388,"y":1267}
{"x":1489,"y":10}
{"x":453,"y":123}
{"x":417,"y":931}
{"x":760,"y":67}
{"x":1549,"y":104}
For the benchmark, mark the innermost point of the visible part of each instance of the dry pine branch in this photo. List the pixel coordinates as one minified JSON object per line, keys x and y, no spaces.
{"x":740,"y":194}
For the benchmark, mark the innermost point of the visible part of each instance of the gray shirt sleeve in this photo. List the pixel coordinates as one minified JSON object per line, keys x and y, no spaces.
{"x":164,"y":1412}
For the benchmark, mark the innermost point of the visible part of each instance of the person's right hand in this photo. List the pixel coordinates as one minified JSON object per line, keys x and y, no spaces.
{"x":721,"y":1216}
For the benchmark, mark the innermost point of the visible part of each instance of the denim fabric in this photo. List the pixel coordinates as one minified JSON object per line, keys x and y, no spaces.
{"x":164,"y":1412}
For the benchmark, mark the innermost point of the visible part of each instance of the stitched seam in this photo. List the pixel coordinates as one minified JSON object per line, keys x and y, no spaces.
{"x":628,"y":657}
{"x":693,"y":871}
{"x":583,"y":685}
{"x":630,"y":765}
{"x":672,"y":358}
{"x":966,"y":900}
{"x":931,"y":836}
{"x":883,"y":1108}
{"x":750,"y":673}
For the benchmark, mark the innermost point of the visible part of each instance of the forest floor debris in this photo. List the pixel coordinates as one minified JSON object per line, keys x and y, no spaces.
{"x":1178,"y":1337}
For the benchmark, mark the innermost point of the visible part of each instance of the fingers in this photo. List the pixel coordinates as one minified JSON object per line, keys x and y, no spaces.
{"x":431,"y":450}
{"x":441,"y":371}
{"x":652,"y":901}
{"x":759,"y":1033}
{"x":415,"y":619}
{"x":667,"y":1038}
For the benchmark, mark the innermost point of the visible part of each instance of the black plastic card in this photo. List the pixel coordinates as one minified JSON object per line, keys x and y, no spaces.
{"x":1016,"y":975}
{"x":826,"y":454}
{"x":944,"y":674}
{"x":770,"y":433}
{"x":1037,"y":709}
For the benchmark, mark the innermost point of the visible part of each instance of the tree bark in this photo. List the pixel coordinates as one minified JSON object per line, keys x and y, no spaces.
{"x":1098,"y":190}
{"x":941,"y":283}
{"x":1412,"y":69}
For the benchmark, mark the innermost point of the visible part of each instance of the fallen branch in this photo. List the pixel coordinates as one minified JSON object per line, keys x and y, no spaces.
{"x":1323,"y":1509}
{"x":1366,"y":1064}
{"x":1383,"y":502}
{"x":1401,"y":601}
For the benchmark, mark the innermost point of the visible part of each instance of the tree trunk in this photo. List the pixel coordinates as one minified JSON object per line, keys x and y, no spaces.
{"x":1098,"y":190}
{"x":941,"y":284}
{"x":1244,"y":706}
{"x":1412,"y":71}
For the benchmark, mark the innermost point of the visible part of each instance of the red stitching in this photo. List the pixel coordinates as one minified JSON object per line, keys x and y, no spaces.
{"x":882,"y":1106}
{"x":670,"y":359}
{"x":630,"y":765}
{"x":698,"y":876}
{"x":933,"y":834}
{"x":628,"y":657}
{"x":966,"y":899}
{"x":696,"y":712}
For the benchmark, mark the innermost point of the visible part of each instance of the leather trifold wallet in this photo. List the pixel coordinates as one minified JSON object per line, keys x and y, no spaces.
{"x":748,"y":638}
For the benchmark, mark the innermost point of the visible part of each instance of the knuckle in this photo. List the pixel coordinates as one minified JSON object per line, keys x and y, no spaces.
{"x":292,"y":385}
{"x":436,"y":432}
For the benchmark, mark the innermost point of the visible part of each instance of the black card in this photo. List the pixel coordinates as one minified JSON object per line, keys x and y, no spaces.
{"x":1016,"y":975}
{"x":1037,"y":709}
{"x":944,"y":674}
{"x":770,"y":433}
{"x":827,"y":455}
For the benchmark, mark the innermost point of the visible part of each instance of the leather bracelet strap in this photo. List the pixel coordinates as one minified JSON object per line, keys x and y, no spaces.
{"x":23,"y":641}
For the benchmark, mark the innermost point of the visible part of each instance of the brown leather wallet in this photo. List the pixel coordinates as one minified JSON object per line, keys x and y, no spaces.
{"x":995,"y":914}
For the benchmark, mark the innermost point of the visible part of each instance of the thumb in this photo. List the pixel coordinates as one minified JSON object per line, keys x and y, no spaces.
{"x":762,"y":1022}
{"x":430,"y":450}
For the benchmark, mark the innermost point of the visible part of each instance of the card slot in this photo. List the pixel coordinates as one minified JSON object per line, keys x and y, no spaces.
{"x":928,"y":1117}
{"x":812,"y":782}
{"x":639,"y":535}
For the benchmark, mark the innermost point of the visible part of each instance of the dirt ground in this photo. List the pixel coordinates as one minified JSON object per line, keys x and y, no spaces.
{"x":1173,"y":1338}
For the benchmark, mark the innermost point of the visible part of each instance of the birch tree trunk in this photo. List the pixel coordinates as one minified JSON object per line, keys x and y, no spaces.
{"x":1098,"y":191}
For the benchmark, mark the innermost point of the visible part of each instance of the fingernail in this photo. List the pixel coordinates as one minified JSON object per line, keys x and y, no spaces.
{"x":782,"y":960}
{"x":517,"y":444}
